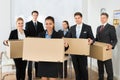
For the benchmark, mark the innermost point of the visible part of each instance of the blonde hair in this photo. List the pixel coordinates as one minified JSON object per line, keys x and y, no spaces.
{"x":19,"y":19}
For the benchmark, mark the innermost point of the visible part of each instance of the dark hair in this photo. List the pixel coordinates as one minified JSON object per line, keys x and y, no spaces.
{"x":105,"y":14}
{"x":52,"y":19}
{"x":78,"y":13}
{"x":66,"y":23}
{"x":35,"y":12}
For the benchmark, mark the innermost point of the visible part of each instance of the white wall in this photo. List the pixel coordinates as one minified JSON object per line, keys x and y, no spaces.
{"x":60,"y":10}
{"x":4,"y":21}
{"x":94,"y":7}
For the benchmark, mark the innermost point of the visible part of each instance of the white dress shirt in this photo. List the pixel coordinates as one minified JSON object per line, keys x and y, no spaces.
{"x":21,"y":35}
{"x":78,"y":30}
{"x":104,"y":24}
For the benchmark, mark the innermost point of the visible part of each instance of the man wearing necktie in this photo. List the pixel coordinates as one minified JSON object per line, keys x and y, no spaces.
{"x":106,"y":33}
{"x":80,"y":30}
{"x":33,"y":28}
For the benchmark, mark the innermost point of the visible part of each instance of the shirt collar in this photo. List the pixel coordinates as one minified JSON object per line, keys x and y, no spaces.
{"x":104,"y":24}
{"x":47,"y":33}
{"x":20,"y":33}
{"x":80,"y":25}
{"x":34,"y":21}
{"x":65,"y":30}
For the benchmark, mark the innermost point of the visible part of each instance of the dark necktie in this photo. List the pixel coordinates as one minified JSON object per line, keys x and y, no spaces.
{"x":101,"y":28}
{"x":35,"y":24}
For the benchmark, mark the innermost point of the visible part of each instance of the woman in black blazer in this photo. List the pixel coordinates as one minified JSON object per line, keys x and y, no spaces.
{"x":49,"y":70}
{"x":18,"y":33}
{"x":63,"y":32}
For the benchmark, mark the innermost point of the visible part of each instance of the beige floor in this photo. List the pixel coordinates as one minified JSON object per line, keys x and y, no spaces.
{"x":93,"y":76}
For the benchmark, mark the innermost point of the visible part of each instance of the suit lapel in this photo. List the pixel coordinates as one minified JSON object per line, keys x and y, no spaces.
{"x":105,"y":28}
{"x":74,"y":31}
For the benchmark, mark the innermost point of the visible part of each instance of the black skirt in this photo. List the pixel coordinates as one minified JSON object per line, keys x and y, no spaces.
{"x":49,"y":69}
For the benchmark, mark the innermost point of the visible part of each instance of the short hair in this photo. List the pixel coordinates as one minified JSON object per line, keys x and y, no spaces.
{"x":66,"y":23}
{"x":105,"y":14}
{"x":78,"y":13}
{"x":19,"y":19}
{"x":35,"y":12}
{"x":50,"y":18}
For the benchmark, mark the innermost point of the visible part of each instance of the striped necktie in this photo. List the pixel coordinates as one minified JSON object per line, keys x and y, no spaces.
{"x":101,"y":28}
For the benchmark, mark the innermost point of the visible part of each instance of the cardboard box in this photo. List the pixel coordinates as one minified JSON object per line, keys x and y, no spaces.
{"x":15,"y":49}
{"x":41,"y":49}
{"x":98,"y":51}
{"x":77,"y":46}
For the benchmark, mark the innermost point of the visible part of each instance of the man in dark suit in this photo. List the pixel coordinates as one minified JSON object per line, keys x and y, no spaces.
{"x":80,"y":30}
{"x":33,"y":28}
{"x":106,"y":33}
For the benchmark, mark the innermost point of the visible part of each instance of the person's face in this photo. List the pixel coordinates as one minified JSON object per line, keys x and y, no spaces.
{"x":49,"y":25}
{"x":20,"y":24}
{"x":35,"y":16}
{"x":64,"y":24}
{"x":78,"y":19}
{"x":104,"y":19}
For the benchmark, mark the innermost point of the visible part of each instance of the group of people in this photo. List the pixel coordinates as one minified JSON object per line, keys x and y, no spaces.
{"x":52,"y":70}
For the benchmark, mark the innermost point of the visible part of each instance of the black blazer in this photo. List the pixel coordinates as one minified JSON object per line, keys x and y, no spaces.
{"x":54,"y":35}
{"x":108,"y":35}
{"x":14,"y":34}
{"x":86,"y":32}
{"x":30,"y":28}
{"x":61,"y":32}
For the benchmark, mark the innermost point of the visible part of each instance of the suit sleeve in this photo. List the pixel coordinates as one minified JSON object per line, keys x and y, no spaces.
{"x":90,"y":34}
{"x":113,"y":36}
{"x":27,"y":29}
{"x":42,"y":28}
{"x":69,"y":34}
{"x":96,"y":39}
{"x":11,"y":35}
{"x":60,"y":33}
{"x":26,"y":26}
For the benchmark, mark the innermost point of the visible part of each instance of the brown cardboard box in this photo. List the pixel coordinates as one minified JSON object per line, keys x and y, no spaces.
{"x":41,"y":49}
{"x":98,"y":51}
{"x":15,"y":49}
{"x":77,"y":46}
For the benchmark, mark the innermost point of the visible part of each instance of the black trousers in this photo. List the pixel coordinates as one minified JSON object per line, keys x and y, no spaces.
{"x":80,"y":66}
{"x":108,"y":67}
{"x":30,"y":69}
{"x":20,"y":68}
{"x":60,"y":66}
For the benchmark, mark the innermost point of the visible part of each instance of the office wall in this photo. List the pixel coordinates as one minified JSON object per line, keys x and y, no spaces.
{"x":4,"y":21}
{"x":60,"y":10}
{"x":94,"y":7}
